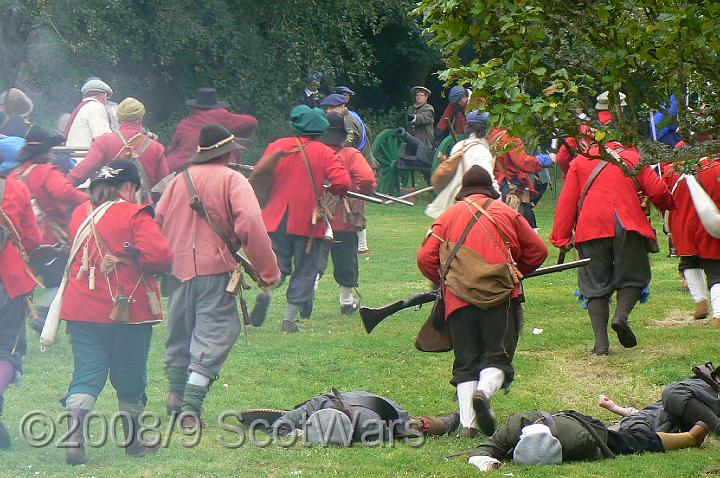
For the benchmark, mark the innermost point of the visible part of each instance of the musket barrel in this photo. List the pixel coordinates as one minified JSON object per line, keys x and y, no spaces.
{"x":240,"y":166}
{"x":413,"y":194}
{"x":558,"y":267}
{"x":371,"y":317}
{"x":389,"y":198}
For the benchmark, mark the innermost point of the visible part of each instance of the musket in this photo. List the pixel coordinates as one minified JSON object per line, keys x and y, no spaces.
{"x":351,"y":194}
{"x":241,"y":167}
{"x":389,"y":199}
{"x":413,"y":194}
{"x":371,"y":317}
{"x":364,"y":197}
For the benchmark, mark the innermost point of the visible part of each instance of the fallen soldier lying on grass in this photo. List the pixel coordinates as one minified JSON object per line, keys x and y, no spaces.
{"x":539,"y":438}
{"x":350,"y":417}
{"x":682,"y":404}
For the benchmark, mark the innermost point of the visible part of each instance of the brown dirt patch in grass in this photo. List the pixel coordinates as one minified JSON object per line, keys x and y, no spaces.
{"x":675,"y":318}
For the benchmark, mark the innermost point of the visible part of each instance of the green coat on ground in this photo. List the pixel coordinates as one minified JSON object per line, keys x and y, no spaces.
{"x":422,"y":126}
{"x":577,"y":442}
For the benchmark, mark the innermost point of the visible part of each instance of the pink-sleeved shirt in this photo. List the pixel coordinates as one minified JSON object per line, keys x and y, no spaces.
{"x":232,"y":205}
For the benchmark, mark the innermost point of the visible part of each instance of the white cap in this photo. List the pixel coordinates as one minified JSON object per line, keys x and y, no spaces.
{"x":96,"y":85}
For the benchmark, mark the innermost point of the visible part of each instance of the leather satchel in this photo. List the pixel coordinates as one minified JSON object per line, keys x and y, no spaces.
{"x":263,"y":176}
{"x":445,"y":171}
{"x":471,"y":277}
{"x":434,"y":335}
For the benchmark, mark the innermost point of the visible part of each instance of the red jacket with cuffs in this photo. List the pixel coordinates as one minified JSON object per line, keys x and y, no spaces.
{"x":612,"y":193}
{"x":123,"y":222}
{"x":292,"y":191}
{"x":527,"y":248}
{"x":14,"y":273}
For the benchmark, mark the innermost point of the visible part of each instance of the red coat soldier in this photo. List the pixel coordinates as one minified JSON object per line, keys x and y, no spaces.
{"x":54,"y":198}
{"x":110,"y":300}
{"x":127,"y":143}
{"x":292,"y":215}
{"x":19,"y":235}
{"x":206,"y":109}
{"x":484,"y":339}
{"x":348,"y":214}
{"x":699,"y":252}
{"x":613,"y":229}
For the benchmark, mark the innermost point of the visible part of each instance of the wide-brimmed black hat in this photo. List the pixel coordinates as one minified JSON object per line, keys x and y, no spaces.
{"x":215,"y":141}
{"x":336,"y":133}
{"x":206,"y":98}
{"x":38,"y":142}
{"x":477,"y":181}
{"x":116,"y":173}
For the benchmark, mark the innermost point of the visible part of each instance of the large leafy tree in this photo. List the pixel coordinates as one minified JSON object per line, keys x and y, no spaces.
{"x":255,"y":53}
{"x":538,"y":61}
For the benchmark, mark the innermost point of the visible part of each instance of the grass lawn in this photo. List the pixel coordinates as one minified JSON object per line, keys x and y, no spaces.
{"x":554,"y":371}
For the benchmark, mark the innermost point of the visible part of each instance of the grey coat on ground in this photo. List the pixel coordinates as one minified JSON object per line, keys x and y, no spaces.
{"x":367,"y":424}
{"x":667,"y":414}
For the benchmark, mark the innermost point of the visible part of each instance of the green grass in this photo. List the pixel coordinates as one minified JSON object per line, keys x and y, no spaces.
{"x":554,"y":371}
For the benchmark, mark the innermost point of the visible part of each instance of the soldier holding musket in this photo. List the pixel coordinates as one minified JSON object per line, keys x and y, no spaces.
{"x":207,"y":213}
{"x":295,"y":215}
{"x":484,"y":333}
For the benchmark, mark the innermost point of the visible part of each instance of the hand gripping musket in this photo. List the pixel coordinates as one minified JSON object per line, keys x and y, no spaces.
{"x":350,"y":194}
{"x":371,"y":317}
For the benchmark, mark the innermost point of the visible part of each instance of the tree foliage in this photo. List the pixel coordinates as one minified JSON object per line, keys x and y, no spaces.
{"x":538,"y":61}
{"x":255,"y":53}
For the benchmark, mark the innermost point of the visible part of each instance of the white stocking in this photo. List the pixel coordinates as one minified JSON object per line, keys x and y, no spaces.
{"x":198,"y":379}
{"x":465,"y":404}
{"x":715,"y":300}
{"x":490,"y":381}
{"x":362,"y":240}
{"x":696,"y":284}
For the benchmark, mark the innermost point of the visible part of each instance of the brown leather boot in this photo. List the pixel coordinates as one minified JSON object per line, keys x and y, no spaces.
{"x":438,"y":426}
{"x":701,"y":310}
{"x":699,"y":431}
{"x":174,"y":403}
{"x":75,"y":442}
{"x":678,"y":441}
{"x":136,"y":447}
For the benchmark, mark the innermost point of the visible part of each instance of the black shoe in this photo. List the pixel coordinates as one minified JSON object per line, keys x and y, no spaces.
{"x":4,"y":437}
{"x":349,"y":309}
{"x":38,"y":323}
{"x":260,"y":309}
{"x":290,"y":327}
{"x":625,"y":335}
{"x":485,"y":414}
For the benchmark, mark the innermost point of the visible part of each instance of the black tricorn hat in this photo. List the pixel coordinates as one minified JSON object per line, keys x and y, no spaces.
{"x":38,"y":142}
{"x":206,"y":98}
{"x":215,"y":141}
{"x":477,"y":181}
